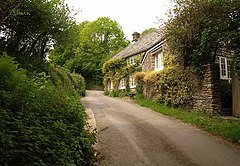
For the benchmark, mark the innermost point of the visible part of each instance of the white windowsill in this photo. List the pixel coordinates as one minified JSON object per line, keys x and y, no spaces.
{"x":159,"y":69}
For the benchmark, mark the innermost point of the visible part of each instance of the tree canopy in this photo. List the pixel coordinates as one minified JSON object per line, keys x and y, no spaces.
{"x":199,"y":28}
{"x":146,"y":31}
{"x":93,"y":43}
{"x":28,"y":29}
{"x":42,"y":119}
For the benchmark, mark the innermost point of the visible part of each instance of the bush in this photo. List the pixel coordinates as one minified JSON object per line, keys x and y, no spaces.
{"x":72,"y":83}
{"x":79,"y":83}
{"x":40,"y":125}
{"x":170,"y":86}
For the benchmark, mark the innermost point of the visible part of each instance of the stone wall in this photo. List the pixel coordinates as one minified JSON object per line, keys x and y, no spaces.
{"x":208,"y":96}
{"x":236,"y":94}
{"x":148,"y":64}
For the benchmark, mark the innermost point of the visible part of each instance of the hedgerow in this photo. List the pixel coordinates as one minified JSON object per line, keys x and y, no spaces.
{"x":171,"y":86}
{"x":40,"y":125}
{"x":72,"y":83}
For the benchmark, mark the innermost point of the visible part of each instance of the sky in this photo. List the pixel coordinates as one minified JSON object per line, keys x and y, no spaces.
{"x":132,"y":15}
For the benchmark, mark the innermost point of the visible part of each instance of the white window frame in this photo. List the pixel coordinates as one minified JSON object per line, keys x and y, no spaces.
{"x":159,"y":65}
{"x":122,"y":84}
{"x":225,"y":67}
{"x":131,"y":61}
{"x":132,"y":83}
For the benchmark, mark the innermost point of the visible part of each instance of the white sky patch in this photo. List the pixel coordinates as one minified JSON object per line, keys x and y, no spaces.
{"x":132,"y":15}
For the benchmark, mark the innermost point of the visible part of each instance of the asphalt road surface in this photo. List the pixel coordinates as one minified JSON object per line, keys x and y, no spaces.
{"x":130,"y":135}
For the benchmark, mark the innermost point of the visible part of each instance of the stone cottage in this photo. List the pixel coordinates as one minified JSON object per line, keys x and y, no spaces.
{"x":150,"y":50}
{"x":140,"y":46}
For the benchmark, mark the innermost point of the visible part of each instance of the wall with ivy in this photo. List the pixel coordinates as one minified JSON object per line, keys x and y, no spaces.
{"x":172,"y":85}
{"x":116,"y":69}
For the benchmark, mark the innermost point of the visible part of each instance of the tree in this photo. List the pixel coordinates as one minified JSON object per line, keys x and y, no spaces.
{"x":96,"y":42}
{"x":28,"y":29}
{"x":199,"y":28}
{"x":145,"y":32}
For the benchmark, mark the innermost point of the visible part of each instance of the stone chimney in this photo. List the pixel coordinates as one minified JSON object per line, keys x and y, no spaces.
{"x":135,"y":36}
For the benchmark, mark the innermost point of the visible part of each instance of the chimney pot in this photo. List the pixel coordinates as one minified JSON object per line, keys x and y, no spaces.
{"x":135,"y":36}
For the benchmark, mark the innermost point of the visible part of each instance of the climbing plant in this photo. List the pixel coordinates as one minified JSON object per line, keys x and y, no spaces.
{"x":171,"y":86}
{"x":116,"y":69}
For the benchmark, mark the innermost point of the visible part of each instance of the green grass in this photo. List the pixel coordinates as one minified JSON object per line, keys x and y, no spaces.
{"x":227,"y":128}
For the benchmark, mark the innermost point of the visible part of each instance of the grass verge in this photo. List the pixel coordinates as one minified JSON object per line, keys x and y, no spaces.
{"x":227,"y":128}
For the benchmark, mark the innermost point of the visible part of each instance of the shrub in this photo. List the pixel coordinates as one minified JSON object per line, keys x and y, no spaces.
{"x":170,"y":86}
{"x":72,"y":83}
{"x":79,"y":83}
{"x":40,"y":125}
{"x":117,"y":93}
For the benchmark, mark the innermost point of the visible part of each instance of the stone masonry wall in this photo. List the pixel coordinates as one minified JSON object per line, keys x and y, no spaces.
{"x":148,"y":63}
{"x":208,"y":96}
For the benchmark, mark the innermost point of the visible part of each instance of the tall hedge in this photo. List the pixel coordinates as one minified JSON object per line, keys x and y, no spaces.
{"x":72,"y":83}
{"x":40,"y":125}
{"x":171,"y":86}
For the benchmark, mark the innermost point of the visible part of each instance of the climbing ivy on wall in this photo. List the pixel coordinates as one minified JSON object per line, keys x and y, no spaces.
{"x":171,"y":86}
{"x":116,"y":69}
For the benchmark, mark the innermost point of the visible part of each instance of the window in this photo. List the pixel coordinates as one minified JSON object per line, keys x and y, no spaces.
{"x":225,"y":68}
{"x":111,"y":85}
{"x":159,"y":62}
{"x":130,"y":61}
{"x":122,"y":83}
{"x":132,"y":83}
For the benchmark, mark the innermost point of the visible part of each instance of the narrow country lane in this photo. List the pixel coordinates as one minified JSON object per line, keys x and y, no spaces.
{"x":130,"y":135}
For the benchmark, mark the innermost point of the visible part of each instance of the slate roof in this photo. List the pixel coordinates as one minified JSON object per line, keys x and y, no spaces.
{"x":143,"y":44}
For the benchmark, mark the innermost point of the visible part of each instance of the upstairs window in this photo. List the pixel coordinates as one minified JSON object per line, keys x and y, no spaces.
{"x":130,"y":61}
{"x":132,"y":83}
{"x":122,"y":83}
{"x":225,"y":68}
{"x":159,"y":62}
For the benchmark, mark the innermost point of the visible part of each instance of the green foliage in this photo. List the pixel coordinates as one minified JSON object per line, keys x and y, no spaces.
{"x":72,"y":83}
{"x":93,"y":44}
{"x":40,"y":125}
{"x":139,"y":76}
{"x":30,"y":27}
{"x":147,"y":31}
{"x":227,"y":128}
{"x":79,"y":83}
{"x":116,"y":69}
{"x":117,"y":93}
{"x":199,"y":28}
{"x":170,"y":86}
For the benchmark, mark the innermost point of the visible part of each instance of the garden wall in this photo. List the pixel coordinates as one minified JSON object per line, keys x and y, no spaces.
{"x":208,"y":97}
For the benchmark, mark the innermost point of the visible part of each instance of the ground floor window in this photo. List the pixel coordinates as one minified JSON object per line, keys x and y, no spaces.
{"x":225,"y":68}
{"x":110,"y":85}
{"x":132,"y":83}
{"x":122,"y":83}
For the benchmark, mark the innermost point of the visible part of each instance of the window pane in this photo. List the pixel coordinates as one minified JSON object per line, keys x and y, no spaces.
{"x":156,"y":62}
{"x":161,"y":61}
{"x":223,"y":67}
{"x":229,"y":68}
